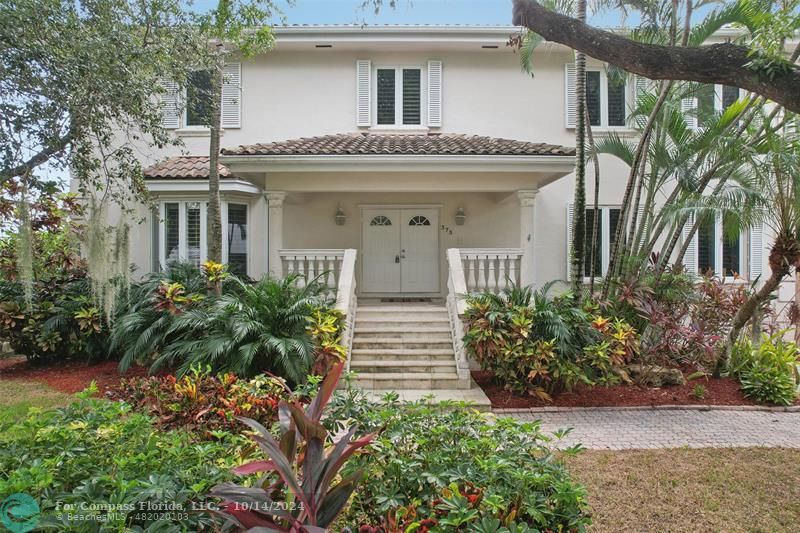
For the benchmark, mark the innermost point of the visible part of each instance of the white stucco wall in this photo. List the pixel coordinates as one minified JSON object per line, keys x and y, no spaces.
{"x":301,"y":93}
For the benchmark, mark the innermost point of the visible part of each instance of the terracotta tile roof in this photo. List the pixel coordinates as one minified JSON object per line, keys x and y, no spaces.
{"x":184,"y":167}
{"x":400,"y":144}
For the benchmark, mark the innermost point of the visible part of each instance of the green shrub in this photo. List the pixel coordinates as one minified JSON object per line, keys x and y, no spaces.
{"x":768,"y":373}
{"x":61,"y":322}
{"x":301,"y":489}
{"x":202,"y":402}
{"x":251,"y":329}
{"x":449,"y":466}
{"x":143,"y":330}
{"x":100,"y":453}
{"x":537,"y":345}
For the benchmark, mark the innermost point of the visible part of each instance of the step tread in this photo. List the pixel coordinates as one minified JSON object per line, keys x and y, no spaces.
{"x":385,"y":318}
{"x":401,"y":362}
{"x":402,"y":351}
{"x":407,"y":376}
{"x":400,"y":329}
{"x":399,"y":342}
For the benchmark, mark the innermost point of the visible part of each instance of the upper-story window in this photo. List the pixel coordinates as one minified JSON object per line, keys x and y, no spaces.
{"x":398,"y":96}
{"x":605,"y":98}
{"x":608,"y":95}
{"x":198,"y":98}
{"x":707,"y":101}
{"x":190,"y":105}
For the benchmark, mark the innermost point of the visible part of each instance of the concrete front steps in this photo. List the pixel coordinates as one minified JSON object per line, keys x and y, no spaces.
{"x":404,"y":347}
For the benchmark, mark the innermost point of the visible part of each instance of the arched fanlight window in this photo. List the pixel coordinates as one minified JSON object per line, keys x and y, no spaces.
{"x":380,"y":220}
{"x":419,"y":220}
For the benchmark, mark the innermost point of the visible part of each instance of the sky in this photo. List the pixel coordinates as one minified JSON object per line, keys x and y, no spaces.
{"x":490,"y":12}
{"x":406,"y":12}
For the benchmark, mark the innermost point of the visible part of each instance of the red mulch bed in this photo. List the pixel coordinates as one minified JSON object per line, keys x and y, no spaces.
{"x":721,"y":391}
{"x":70,"y":376}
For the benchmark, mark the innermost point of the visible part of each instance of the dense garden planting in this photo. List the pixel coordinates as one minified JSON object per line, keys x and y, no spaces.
{"x":422,"y":466}
{"x":660,"y":333}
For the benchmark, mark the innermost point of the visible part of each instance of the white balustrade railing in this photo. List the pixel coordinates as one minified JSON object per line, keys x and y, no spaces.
{"x":337,"y":270}
{"x":312,"y":263}
{"x":490,"y":269}
{"x":476,"y":270}
{"x":346,"y":299}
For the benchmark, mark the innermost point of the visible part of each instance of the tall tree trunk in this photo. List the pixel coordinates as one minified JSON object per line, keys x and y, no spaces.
{"x":214,"y":216}
{"x":579,"y":220}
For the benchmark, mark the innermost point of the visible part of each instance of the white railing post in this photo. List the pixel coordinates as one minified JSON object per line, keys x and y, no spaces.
{"x":346,"y":299}
{"x":456,"y":307}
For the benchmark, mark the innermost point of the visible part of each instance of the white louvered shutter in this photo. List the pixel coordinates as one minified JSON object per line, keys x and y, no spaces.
{"x":363,"y":99}
{"x":170,"y":105}
{"x":756,"y":250}
{"x":570,"y":110}
{"x":232,"y":95}
{"x":570,"y":218}
{"x":640,"y":221}
{"x":689,"y":109}
{"x":434,"y":93}
{"x":641,"y":86}
{"x":690,"y":258}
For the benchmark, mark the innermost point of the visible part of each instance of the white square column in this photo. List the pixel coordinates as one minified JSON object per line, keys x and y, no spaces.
{"x":527,"y":200}
{"x":275,"y":231}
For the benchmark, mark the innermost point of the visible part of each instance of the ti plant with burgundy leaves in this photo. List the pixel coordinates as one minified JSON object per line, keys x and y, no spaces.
{"x":300,"y":490}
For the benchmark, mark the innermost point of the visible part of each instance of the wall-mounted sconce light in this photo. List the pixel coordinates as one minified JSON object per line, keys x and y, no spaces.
{"x":460,"y":216}
{"x":340,"y":217}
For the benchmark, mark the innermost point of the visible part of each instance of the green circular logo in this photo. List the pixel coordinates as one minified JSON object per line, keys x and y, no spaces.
{"x":19,"y":513}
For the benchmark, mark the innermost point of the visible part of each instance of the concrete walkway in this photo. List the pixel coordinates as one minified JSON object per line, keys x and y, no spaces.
{"x":605,"y":429}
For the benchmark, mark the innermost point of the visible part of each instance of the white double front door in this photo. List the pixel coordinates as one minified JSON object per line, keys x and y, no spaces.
{"x":400,"y":250}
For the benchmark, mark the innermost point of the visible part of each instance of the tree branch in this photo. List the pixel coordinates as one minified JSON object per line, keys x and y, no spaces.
{"x":725,"y":64}
{"x":39,"y":158}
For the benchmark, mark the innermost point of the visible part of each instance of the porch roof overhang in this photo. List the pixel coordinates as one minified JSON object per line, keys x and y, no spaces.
{"x":243,"y":164}
{"x":355,"y":153}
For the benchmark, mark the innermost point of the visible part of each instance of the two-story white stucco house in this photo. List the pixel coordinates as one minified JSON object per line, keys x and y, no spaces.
{"x":405,"y":161}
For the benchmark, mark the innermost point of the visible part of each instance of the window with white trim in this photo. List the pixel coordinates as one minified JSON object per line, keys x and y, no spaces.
{"x":182,"y":234}
{"x":605,"y":97}
{"x":199,"y":90}
{"x":719,"y":253}
{"x":236,"y":239}
{"x":608,"y":96}
{"x":709,"y":100}
{"x":398,"y":96}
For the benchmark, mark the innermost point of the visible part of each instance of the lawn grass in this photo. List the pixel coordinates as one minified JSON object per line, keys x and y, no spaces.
{"x":734,"y":489}
{"x":17,"y":396}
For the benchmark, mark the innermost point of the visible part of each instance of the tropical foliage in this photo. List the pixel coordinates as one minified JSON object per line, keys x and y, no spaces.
{"x":102,"y":453}
{"x":301,"y":489}
{"x":538,"y":345}
{"x":447,"y":468}
{"x":58,"y":318}
{"x":769,"y":370}
{"x":251,"y":329}
{"x":203,"y":402}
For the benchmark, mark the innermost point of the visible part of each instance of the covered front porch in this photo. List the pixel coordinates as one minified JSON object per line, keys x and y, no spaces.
{"x":401,"y":201}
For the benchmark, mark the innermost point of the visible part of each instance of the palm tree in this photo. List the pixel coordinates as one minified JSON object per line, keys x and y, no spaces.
{"x":777,"y":169}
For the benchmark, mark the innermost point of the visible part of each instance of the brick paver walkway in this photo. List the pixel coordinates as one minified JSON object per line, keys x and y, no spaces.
{"x":623,"y":429}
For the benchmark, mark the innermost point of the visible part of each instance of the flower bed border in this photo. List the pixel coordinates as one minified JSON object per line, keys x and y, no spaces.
{"x":677,"y":407}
